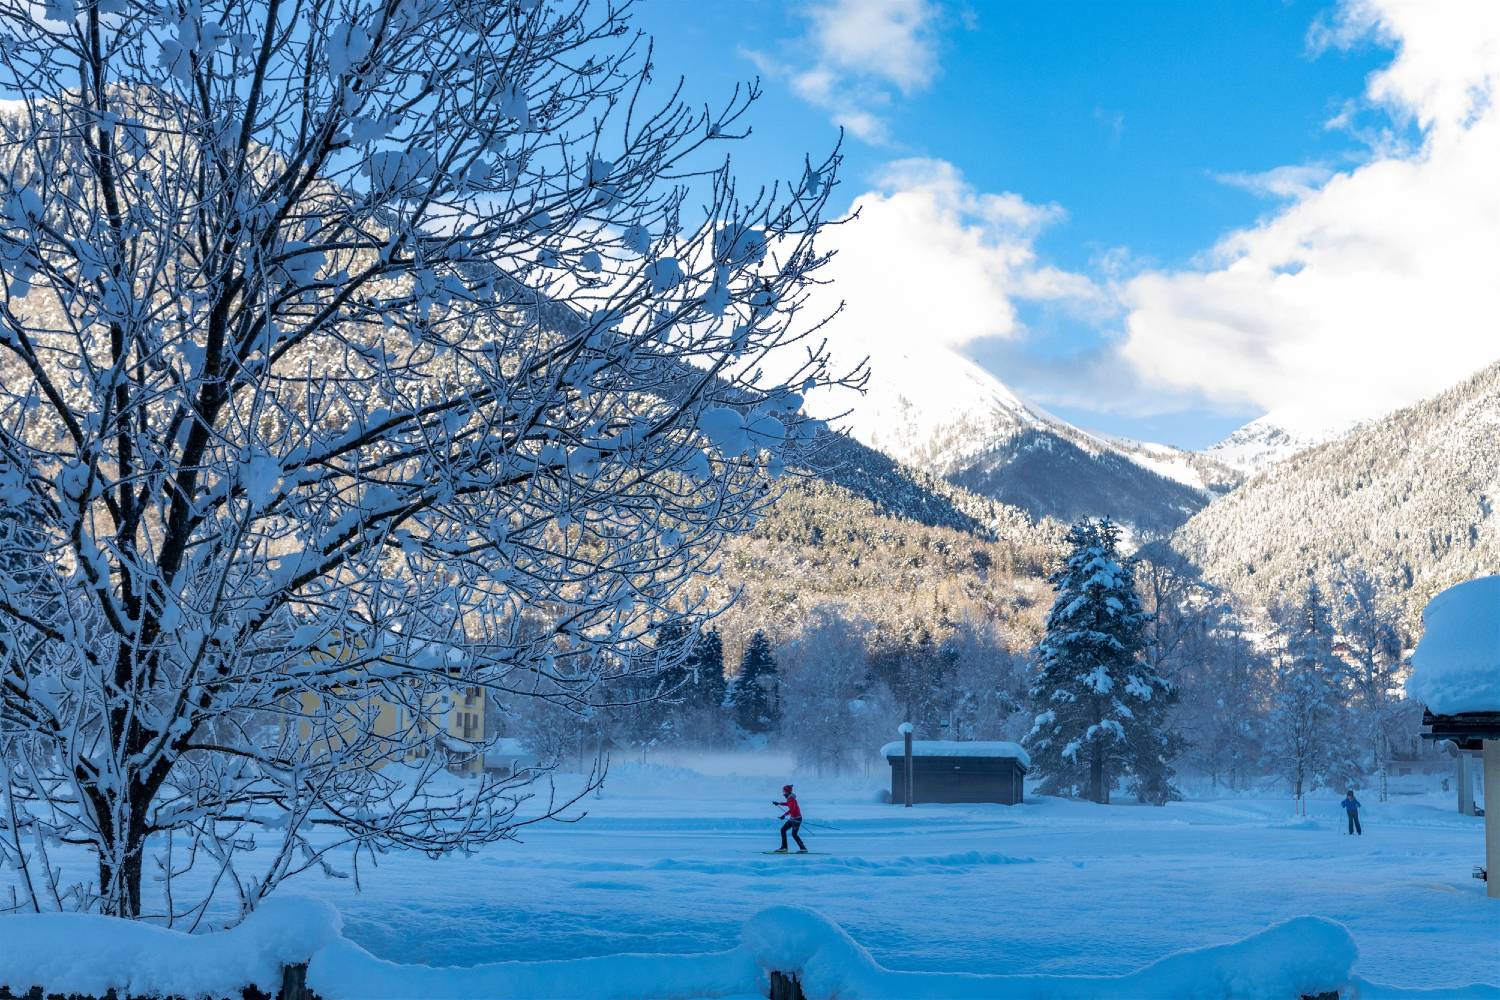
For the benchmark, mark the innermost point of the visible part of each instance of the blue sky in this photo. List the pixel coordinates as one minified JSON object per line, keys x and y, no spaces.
{"x":1146,"y":132}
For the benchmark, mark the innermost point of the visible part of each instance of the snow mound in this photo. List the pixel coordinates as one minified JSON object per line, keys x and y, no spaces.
{"x":1302,"y":955}
{"x":88,"y":954}
{"x":1456,"y":666}
{"x":1299,"y":956}
{"x":958,"y":748}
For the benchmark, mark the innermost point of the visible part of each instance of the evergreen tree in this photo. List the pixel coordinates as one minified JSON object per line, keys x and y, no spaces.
{"x":755,"y":695}
{"x":688,"y":686}
{"x":674,"y":653}
{"x":706,"y":684}
{"x":1100,"y":708}
{"x":919,"y":672}
{"x":1224,"y":686}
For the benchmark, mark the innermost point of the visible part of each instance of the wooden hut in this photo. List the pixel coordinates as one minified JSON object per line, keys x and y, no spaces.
{"x":1456,"y":677}
{"x":959,"y":771}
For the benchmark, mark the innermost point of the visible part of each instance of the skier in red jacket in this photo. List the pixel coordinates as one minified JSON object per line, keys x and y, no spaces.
{"x":793,"y":817}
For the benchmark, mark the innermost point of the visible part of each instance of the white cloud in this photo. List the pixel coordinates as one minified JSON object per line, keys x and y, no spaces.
{"x":889,"y":40}
{"x":1295,"y":181}
{"x":862,"y":53}
{"x":930,"y":272}
{"x":930,"y":259}
{"x":1375,"y":286}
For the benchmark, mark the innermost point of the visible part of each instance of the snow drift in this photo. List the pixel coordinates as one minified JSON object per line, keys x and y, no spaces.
{"x":79,"y":953}
{"x":87,"y":954}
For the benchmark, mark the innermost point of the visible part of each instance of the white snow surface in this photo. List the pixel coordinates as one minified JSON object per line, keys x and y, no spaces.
{"x":1164,"y":460}
{"x":958,"y":748}
{"x":931,"y":405}
{"x":1073,"y":898}
{"x":1456,"y":666}
{"x":87,"y":954}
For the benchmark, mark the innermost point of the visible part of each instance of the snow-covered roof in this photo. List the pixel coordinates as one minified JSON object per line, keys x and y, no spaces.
{"x":1456,"y":666}
{"x":958,"y":748}
{"x":505,"y":748}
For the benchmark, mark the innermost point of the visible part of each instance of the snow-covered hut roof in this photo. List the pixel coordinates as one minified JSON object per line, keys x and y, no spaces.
{"x":958,"y":748}
{"x":504,"y":749}
{"x":1456,"y":666}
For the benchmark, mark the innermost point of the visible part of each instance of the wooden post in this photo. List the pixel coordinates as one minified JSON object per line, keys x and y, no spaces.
{"x":1492,"y":817}
{"x":786,"y":987}
{"x":294,"y":983}
{"x":906,"y":738}
{"x":1465,"y":785}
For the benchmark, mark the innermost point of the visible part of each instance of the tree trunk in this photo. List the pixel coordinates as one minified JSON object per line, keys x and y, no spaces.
{"x":122,"y":894}
{"x":120,"y":877}
{"x":1097,"y":790}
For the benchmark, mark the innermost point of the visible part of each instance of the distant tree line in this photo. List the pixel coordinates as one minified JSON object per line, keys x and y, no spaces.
{"x":1140,"y":674}
{"x":1145,"y":670}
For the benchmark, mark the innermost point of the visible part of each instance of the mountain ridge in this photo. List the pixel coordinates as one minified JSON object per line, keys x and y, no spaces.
{"x":1408,"y":498}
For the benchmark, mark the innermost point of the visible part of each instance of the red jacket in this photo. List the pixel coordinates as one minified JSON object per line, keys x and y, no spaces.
{"x":792,"y":809}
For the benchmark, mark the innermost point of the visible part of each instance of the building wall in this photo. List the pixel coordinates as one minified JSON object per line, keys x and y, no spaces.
{"x":456,"y":713}
{"x":959,"y":779}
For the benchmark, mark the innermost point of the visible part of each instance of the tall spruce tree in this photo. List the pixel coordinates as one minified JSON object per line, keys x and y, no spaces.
{"x":755,"y":695}
{"x":706,"y":685}
{"x":1100,"y":708}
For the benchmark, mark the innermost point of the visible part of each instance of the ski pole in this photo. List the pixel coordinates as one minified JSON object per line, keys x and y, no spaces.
{"x":820,"y":826}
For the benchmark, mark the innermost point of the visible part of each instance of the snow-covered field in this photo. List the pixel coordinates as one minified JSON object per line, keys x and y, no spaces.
{"x":668,"y":860}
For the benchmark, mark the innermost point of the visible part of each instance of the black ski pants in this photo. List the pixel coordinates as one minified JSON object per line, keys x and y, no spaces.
{"x":792,"y":826}
{"x":1354,"y":823}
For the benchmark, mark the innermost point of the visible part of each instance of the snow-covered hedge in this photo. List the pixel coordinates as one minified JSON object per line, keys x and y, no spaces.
{"x":83,"y":954}
{"x":958,"y":748}
{"x":1456,"y":666}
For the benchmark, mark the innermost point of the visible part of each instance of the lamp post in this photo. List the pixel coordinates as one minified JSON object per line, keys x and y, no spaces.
{"x":906,"y":739}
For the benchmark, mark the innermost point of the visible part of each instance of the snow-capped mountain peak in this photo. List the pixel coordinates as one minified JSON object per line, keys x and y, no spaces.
{"x":939,"y":411}
{"x":1277,"y":435}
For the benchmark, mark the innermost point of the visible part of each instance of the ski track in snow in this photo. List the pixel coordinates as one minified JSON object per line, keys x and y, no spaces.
{"x":668,"y":861}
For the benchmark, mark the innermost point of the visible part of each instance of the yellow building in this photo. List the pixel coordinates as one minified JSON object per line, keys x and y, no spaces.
{"x":373,"y":723}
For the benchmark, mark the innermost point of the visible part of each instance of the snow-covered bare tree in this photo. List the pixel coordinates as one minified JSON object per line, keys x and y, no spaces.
{"x":1369,"y":622}
{"x":1100,"y":708}
{"x":824,"y":676}
{"x":1305,"y":737}
{"x":990,"y":682}
{"x":352,"y":354}
{"x":1223,"y":681}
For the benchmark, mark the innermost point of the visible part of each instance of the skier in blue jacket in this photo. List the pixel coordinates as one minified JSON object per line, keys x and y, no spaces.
{"x":1351,"y":806}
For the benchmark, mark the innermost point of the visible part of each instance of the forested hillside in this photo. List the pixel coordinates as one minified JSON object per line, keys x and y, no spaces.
{"x":821,"y":544}
{"x":1409,"y":499}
